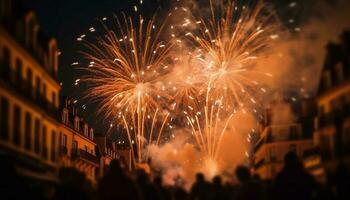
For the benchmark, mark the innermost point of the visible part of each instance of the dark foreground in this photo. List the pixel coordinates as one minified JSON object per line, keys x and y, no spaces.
{"x":293,"y":182}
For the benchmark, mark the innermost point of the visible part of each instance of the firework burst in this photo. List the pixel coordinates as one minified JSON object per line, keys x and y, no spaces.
{"x":229,"y":44}
{"x":125,"y":74}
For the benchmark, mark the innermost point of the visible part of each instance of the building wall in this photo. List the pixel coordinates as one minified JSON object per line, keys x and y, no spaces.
{"x":332,"y":123}
{"x":32,"y":131}
{"x":67,"y":160}
{"x":77,"y":136}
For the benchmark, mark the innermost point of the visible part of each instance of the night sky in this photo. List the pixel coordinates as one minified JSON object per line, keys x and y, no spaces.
{"x":67,"y":20}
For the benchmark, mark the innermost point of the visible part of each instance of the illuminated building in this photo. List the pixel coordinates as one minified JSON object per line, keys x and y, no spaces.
{"x":332,"y":123}
{"x":275,"y":141}
{"x":77,"y":146}
{"x":83,"y":149}
{"x":29,"y":95}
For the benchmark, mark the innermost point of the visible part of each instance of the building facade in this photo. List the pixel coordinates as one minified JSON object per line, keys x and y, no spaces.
{"x":77,"y":145}
{"x":332,"y":123}
{"x":275,"y":143}
{"x":29,"y":93}
{"x":278,"y":137}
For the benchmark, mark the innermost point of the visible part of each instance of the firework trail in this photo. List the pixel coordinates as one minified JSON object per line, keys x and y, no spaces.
{"x":127,"y":65}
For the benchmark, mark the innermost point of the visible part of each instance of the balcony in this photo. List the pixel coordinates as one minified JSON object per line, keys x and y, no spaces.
{"x":334,"y":117}
{"x":25,"y":90}
{"x":84,"y":155}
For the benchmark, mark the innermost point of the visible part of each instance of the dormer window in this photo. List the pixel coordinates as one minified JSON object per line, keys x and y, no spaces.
{"x":65,"y":116}
{"x":52,"y":58}
{"x":76,"y":123}
{"x":91,"y":134}
{"x":86,"y":130}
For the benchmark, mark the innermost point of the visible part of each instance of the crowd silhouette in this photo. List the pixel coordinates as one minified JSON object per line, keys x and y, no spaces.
{"x":292,"y":182}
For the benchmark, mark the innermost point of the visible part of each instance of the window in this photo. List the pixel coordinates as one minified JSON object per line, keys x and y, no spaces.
{"x":92,"y":134}
{"x":44,"y":142}
{"x":54,"y":99}
{"x":37,"y":136}
{"x":65,"y":116}
{"x":37,"y":86}
{"x":53,"y":146}
{"x":44,"y":90}
{"x":86,"y":148}
{"x":86,"y":130}
{"x":6,"y":57}
{"x":17,"y":125}
{"x":28,"y":129}
{"x":64,"y":140}
{"x":76,"y":123}
{"x":4,"y":122}
{"x":75,"y":146}
{"x":29,"y":78}
{"x":18,"y":77}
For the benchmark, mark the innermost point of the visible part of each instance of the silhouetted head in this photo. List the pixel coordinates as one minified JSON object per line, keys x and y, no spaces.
{"x":142,"y":176}
{"x":199,"y":177}
{"x":217,"y":180}
{"x":114,"y":166}
{"x":242,"y":173}
{"x":291,"y":159}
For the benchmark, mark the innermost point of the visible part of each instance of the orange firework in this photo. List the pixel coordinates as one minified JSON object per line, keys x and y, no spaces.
{"x":229,"y":45}
{"x":125,"y":77}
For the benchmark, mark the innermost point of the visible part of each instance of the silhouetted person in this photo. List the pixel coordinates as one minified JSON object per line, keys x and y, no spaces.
{"x":293,"y":182}
{"x":218,"y":191}
{"x":179,"y":193}
{"x":117,"y":185}
{"x":248,"y":188}
{"x":163,"y":192}
{"x":11,"y":186}
{"x":148,"y":190}
{"x":73,"y":185}
{"x":200,"y":188}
